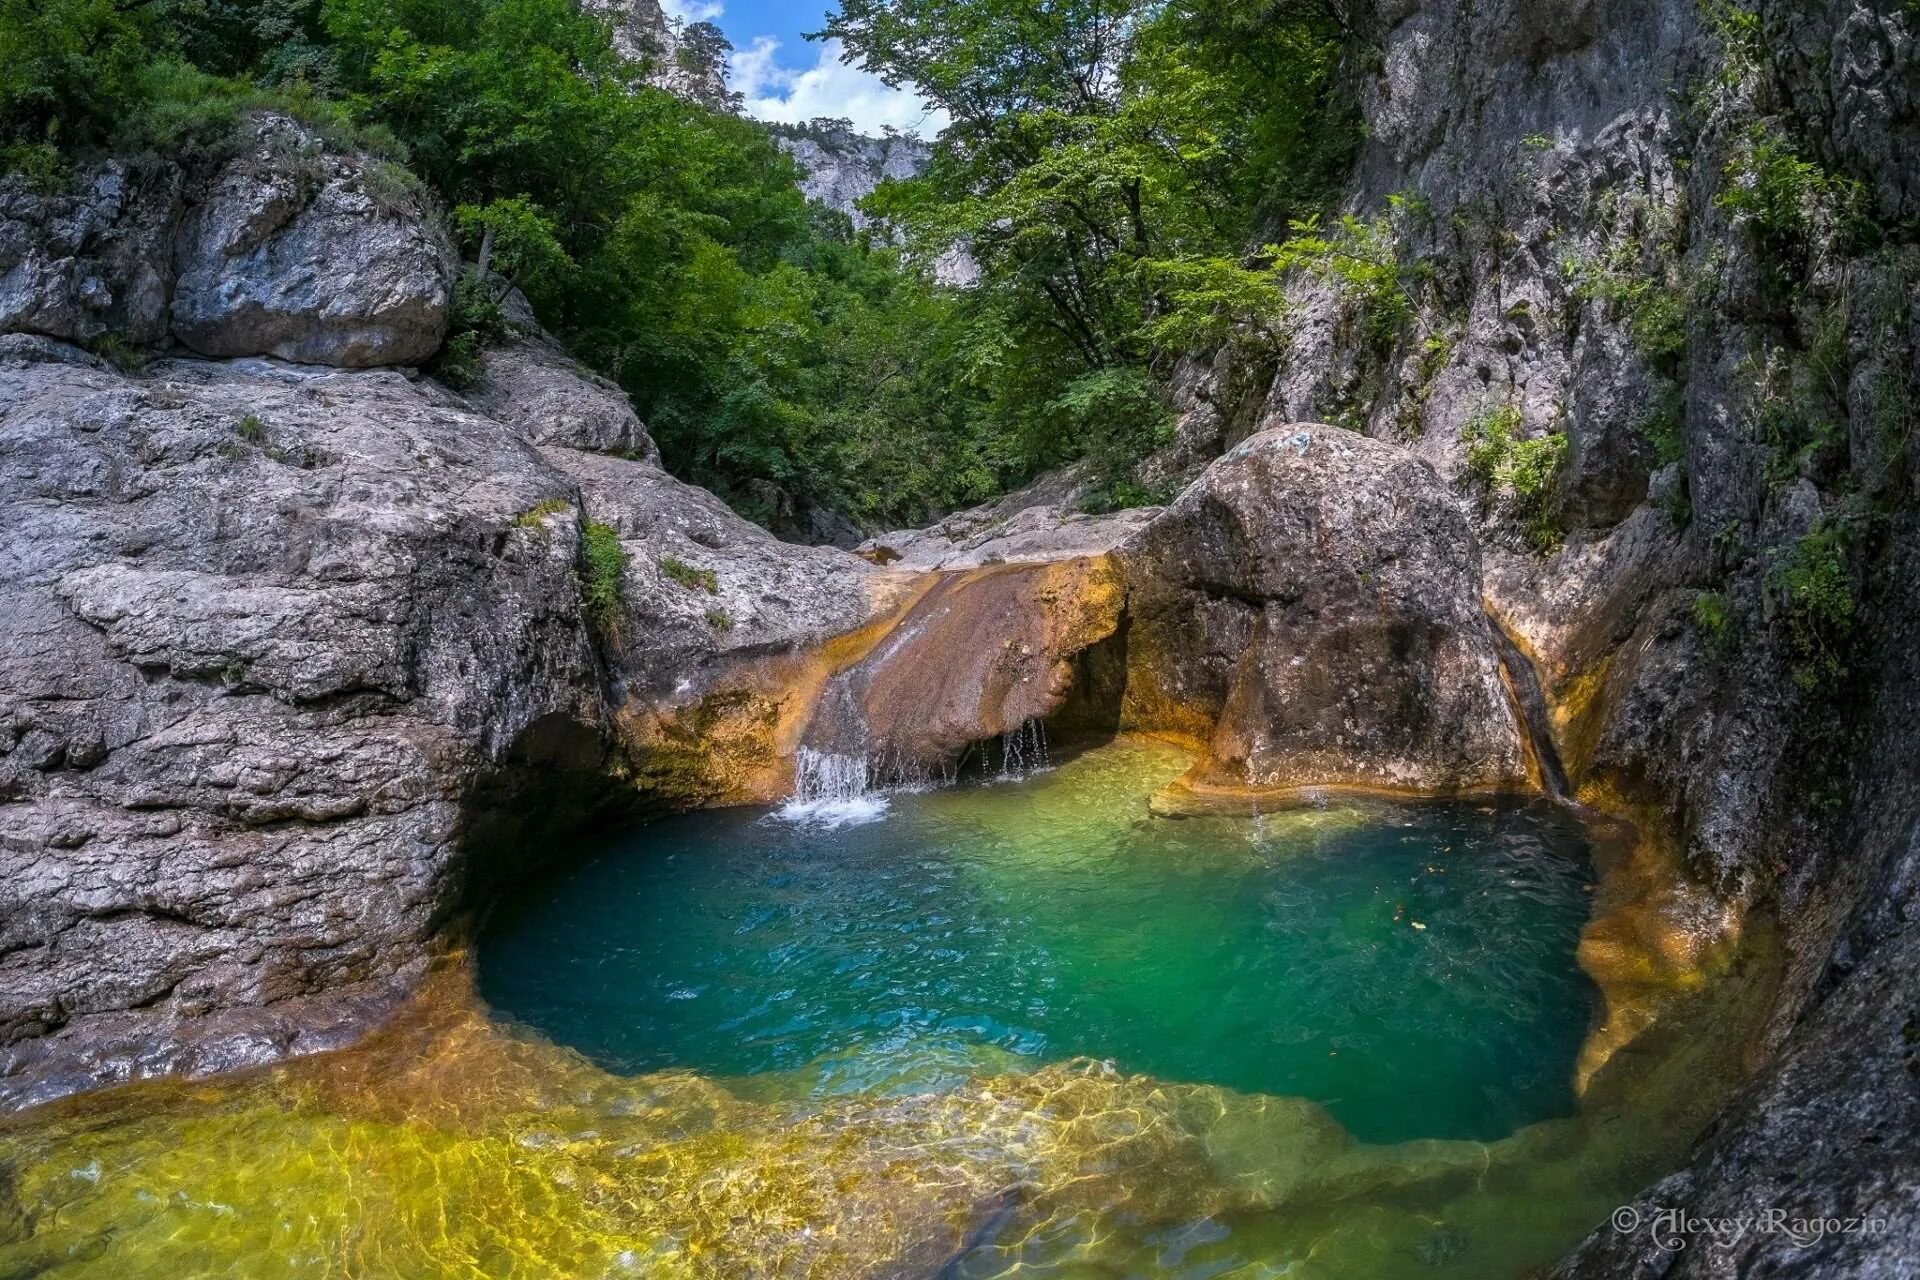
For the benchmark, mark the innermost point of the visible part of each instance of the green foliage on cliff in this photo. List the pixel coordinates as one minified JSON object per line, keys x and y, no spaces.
{"x":1522,"y":473}
{"x":603,"y":576}
{"x":689,"y":576}
{"x":1813,"y":587}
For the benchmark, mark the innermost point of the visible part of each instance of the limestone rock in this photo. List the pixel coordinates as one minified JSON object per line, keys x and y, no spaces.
{"x":1310,"y":609}
{"x":311,"y":256}
{"x":643,"y":33}
{"x":839,"y":167}
{"x":90,"y":260}
{"x":978,"y":655}
{"x":267,"y":637}
{"x":533,"y":386}
{"x":1039,"y":523}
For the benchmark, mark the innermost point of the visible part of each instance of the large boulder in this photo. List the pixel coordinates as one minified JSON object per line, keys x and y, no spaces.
{"x":535,"y":387}
{"x":1310,"y":611}
{"x":312,"y":255}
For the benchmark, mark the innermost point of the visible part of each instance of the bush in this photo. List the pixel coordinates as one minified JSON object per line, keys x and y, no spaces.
{"x":1814,"y":588}
{"x":1524,"y":473}
{"x":1664,"y":427}
{"x":603,"y":581}
{"x":1361,"y":259}
{"x":1114,"y":418}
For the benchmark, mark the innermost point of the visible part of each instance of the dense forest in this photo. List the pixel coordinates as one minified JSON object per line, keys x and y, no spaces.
{"x":1132,"y":179}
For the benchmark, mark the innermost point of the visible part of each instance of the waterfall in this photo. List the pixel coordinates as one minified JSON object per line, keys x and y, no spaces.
{"x":826,"y":775}
{"x":832,"y":789}
{"x":1023,"y":751}
{"x":1530,"y":706}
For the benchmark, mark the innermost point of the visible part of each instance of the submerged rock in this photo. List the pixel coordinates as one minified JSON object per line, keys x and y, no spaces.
{"x":1310,"y":609}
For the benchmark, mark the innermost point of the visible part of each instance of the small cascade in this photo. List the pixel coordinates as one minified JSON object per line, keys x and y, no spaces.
{"x":1531,"y":706}
{"x":827,"y":775}
{"x":831,"y":789}
{"x":1023,"y":751}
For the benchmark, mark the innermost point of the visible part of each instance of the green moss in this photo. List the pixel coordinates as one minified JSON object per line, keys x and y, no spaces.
{"x":535,"y":517}
{"x":1714,"y":617}
{"x":251,"y":429}
{"x":720,"y":620}
{"x":689,"y":576}
{"x":603,"y":580}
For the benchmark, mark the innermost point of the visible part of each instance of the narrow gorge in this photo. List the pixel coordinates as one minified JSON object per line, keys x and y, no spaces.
{"x":1442,"y":801}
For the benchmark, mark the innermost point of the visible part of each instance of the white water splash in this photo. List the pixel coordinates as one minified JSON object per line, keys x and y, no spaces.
{"x":831,"y":790}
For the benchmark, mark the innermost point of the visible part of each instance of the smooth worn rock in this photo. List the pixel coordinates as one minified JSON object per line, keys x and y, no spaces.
{"x":979,"y":655}
{"x":312,"y":256}
{"x":1310,"y":610}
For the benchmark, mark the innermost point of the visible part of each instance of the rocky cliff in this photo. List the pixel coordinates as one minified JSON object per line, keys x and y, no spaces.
{"x":1658,"y":330}
{"x":839,"y":167}
{"x":286,"y":643}
{"x":692,"y":67}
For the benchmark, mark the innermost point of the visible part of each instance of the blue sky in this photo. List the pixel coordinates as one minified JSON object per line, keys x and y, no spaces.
{"x":787,"y":77}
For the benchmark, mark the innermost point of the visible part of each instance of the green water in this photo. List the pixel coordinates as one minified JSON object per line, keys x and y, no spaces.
{"x":1018,"y":1030}
{"x":1409,"y":967}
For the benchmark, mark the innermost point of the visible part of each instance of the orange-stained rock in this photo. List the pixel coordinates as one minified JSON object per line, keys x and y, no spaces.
{"x":982,"y":652}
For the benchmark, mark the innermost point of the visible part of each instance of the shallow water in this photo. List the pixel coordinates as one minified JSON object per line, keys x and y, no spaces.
{"x":1014,"y":1030}
{"x":1409,"y":967}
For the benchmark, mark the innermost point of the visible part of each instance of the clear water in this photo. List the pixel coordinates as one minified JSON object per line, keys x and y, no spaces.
{"x":1408,"y":967}
{"x":851,"y":1055}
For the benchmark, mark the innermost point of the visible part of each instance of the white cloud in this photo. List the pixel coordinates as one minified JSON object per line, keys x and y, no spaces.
{"x":830,"y":87}
{"x":693,"y":10}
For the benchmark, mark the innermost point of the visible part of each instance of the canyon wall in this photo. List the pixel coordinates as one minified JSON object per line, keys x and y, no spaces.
{"x":1659,"y":332}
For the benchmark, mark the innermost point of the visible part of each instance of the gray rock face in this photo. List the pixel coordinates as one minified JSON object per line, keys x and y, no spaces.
{"x":279,"y":650}
{"x":840,"y":167}
{"x":533,"y":386}
{"x":89,"y":261}
{"x":1311,"y":608}
{"x":319,"y":258}
{"x":642,"y":33}
{"x":261,"y":631}
{"x":1042,"y":522}
{"x":1563,"y":166}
